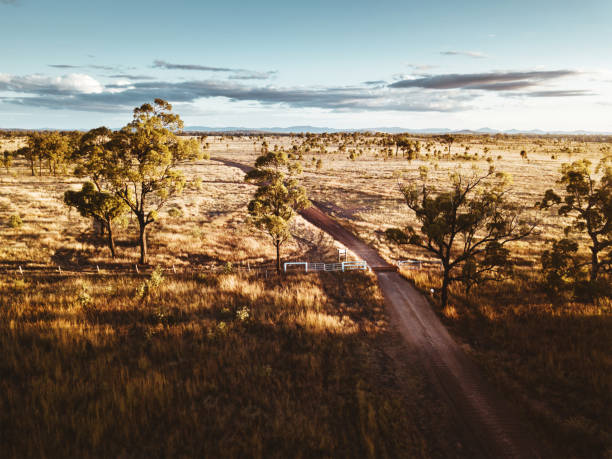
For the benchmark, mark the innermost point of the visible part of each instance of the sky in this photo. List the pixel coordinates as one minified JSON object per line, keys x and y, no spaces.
{"x":537,"y":64}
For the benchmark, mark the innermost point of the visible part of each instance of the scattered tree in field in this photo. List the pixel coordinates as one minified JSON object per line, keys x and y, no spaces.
{"x":143,"y":172}
{"x":52,"y":149}
{"x":589,"y":202}
{"x":7,"y":160}
{"x":277,"y":199}
{"x":32,"y":151}
{"x":449,"y":140}
{"x":138,"y":164}
{"x":561,"y":268}
{"x":56,"y":150}
{"x":467,"y":227}
{"x":105,"y":208}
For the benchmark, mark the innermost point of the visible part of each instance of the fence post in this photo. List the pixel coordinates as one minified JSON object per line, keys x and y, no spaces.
{"x":136,"y":266}
{"x":21,"y":271}
{"x":98,"y":268}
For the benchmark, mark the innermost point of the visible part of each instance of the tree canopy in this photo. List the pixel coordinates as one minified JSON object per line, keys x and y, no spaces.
{"x":277,"y":199}
{"x":467,"y":226}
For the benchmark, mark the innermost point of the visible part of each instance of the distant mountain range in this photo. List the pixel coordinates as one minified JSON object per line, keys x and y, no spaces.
{"x":388,"y":130}
{"x":320,"y":130}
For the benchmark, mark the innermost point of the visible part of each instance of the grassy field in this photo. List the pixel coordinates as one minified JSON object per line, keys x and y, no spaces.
{"x":224,"y":365}
{"x":551,"y":358}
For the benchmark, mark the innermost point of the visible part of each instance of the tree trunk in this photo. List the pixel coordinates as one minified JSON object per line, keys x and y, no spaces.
{"x":445,"y":284}
{"x":278,"y":262}
{"x":111,"y":239}
{"x":594,"y":264}
{"x":143,"y":240}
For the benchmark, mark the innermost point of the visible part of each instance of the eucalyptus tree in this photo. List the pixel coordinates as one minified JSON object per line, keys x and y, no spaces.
{"x":104,"y":207}
{"x":139,"y":164}
{"x":467,"y":226}
{"x":277,"y":199}
{"x":143,"y":167}
{"x":588,"y":201}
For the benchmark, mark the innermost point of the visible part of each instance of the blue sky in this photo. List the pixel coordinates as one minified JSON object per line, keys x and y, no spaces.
{"x":345,"y":64}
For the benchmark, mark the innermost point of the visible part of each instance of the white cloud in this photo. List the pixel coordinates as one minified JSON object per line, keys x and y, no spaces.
{"x":474,"y":54}
{"x":74,"y":83}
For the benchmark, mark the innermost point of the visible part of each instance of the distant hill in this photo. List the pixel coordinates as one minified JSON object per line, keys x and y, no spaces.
{"x":388,"y":130}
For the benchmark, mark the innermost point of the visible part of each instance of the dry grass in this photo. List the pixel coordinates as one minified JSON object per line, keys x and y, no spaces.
{"x":167,"y":370}
{"x":552,"y":359}
{"x":217,"y":366}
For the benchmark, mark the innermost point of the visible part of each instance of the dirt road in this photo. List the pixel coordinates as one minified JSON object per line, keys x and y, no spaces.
{"x":485,"y":421}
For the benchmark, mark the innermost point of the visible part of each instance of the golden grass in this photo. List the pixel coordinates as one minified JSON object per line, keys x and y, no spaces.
{"x":217,"y":366}
{"x":552,"y":359}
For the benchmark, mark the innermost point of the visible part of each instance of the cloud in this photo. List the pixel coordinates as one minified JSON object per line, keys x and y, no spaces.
{"x":249,"y":75}
{"x":560,"y":93}
{"x":421,"y":67}
{"x":494,"y":81}
{"x":76,"y":93}
{"x":167,"y":65}
{"x":69,"y":66}
{"x":237,"y":74}
{"x":74,"y":83}
{"x":9,"y":2}
{"x":131,"y":77}
{"x":64,"y":66}
{"x":474,"y":54}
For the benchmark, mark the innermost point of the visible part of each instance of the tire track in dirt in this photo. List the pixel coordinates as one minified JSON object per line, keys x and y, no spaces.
{"x":485,"y":421}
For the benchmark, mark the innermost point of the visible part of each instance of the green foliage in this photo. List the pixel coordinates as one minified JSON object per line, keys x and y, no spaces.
{"x":14,"y":221}
{"x":589,"y":202}
{"x":50,"y":150}
{"x":466,"y":227}
{"x":278,"y":197}
{"x":7,"y":160}
{"x":175,"y":212}
{"x":138,"y":164}
{"x":150,"y":285}
{"x":102,"y":206}
{"x":560,"y":267}
{"x":228,"y":268}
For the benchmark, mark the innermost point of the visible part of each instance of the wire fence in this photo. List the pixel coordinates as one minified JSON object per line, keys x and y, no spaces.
{"x":136,"y":270}
{"x":418,"y":264}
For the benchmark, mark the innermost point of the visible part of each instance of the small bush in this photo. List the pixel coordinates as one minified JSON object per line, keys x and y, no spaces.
{"x":15,"y":221}
{"x":175,"y":212}
{"x":228,"y":268}
{"x":151,"y":284}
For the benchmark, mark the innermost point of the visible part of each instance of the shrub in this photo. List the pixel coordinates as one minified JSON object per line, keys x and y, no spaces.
{"x":151,"y":284}
{"x":175,"y":212}
{"x":15,"y":221}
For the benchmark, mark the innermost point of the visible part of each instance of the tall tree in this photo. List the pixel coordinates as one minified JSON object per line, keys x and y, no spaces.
{"x":466,"y":227}
{"x":589,"y":202}
{"x":142,"y":170}
{"x":277,"y":199}
{"x":103,"y":207}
